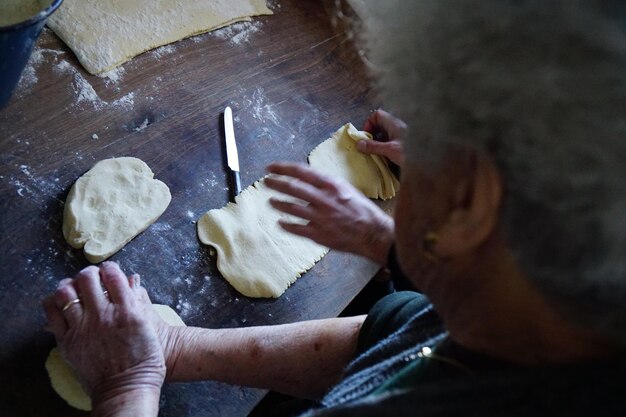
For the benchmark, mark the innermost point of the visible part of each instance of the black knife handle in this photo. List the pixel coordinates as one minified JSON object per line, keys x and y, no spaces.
{"x":236,"y":183}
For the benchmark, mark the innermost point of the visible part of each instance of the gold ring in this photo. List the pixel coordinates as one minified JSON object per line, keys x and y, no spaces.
{"x":69,"y":304}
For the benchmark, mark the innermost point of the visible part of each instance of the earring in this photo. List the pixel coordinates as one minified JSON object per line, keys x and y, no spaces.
{"x":428,"y":245}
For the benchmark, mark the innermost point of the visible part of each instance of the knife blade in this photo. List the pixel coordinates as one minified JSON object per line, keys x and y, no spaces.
{"x":232,"y":157}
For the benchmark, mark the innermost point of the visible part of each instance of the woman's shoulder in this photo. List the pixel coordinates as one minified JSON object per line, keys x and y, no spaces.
{"x":394,"y":312}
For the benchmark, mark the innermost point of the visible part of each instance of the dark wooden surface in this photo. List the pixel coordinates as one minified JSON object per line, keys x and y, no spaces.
{"x":292,"y":82}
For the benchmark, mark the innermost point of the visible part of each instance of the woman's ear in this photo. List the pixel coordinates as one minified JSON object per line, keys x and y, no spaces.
{"x":477,"y":197}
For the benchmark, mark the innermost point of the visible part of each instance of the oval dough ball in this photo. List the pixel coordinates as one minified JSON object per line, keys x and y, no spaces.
{"x":111,"y":204}
{"x":63,"y":379}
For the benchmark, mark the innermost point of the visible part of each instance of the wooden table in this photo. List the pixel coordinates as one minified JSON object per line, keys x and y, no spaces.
{"x":292,"y":79}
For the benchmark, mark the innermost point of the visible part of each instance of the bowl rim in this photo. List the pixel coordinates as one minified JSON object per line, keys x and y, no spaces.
{"x":43,"y":14}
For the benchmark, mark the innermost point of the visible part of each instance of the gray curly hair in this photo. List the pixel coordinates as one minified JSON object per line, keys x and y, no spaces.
{"x":539,"y":85}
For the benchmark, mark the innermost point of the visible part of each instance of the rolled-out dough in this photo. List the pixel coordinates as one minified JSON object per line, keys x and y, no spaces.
{"x":254,"y":254}
{"x":63,"y":379}
{"x":105,"y":34}
{"x":259,"y":258}
{"x":339,"y":157}
{"x":111,"y":204}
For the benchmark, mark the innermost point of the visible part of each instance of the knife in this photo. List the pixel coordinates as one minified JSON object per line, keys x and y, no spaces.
{"x":232,"y":156}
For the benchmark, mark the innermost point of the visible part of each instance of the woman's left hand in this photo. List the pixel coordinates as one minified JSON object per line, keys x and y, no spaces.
{"x":108,"y":338}
{"x":338,"y":215}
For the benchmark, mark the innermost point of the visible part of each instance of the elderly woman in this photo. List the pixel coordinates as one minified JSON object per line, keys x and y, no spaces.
{"x":510,"y":220}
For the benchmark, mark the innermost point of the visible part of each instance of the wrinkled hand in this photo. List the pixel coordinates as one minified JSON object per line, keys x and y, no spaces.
{"x":111,"y":340}
{"x":338,"y":215}
{"x":387,"y":131}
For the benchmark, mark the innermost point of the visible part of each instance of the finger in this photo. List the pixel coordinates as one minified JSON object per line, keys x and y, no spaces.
{"x":302,"y":172}
{"x":56,"y":322}
{"x":309,"y":231}
{"x":372,"y":124}
{"x":298,"y":210}
{"x":66,"y":300}
{"x":65,"y":281}
{"x":139,"y":292}
{"x":134,"y":281}
{"x":301,"y":230}
{"x":90,"y":289}
{"x":382,"y":120}
{"x":143,"y":295}
{"x":298,"y":189}
{"x":116,"y":283}
{"x":389,"y":150}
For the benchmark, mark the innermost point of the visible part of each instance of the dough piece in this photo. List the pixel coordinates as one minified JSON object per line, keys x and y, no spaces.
{"x":339,"y":157}
{"x":259,"y":258}
{"x":105,"y":34}
{"x":63,"y":379}
{"x":254,"y":254}
{"x":168,"y":315}
{"x":111,"y":204}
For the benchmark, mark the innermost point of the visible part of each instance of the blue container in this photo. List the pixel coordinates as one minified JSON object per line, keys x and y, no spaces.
{"x":16,"y":44}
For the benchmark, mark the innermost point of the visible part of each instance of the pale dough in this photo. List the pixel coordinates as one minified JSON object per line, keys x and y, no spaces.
{"x":254,"y":254}
{"x":338,"y":157}
{"x":111,"y":204}
{"x":106,"y":33}
{"x":63,"y":379}
{"x":259,"y":258}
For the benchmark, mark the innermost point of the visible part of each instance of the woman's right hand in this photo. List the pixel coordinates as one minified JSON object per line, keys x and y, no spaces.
{"x":337,"y":215}
{"x":387,"y":131}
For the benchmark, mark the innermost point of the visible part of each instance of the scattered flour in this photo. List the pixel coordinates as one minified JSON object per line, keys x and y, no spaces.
{"x":260,"y":109}
{"x":238,"y":33}
{"x":114,"y":76}
{"x":127,"y":101}
{"x":273,"y":4}
{"x":38,"y":189}
{"x":184,"y":308}
{"x":160,"y":227}
{"x":164,"y":50}
{"x":198,"y":38}
{"x":29,"y":76}
{"x":141,"y":126}
{"x":85,"y":92}
{"x":211,"y":183}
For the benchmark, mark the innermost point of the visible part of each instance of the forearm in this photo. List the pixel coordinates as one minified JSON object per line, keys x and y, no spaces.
{"x":302,"y":359}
